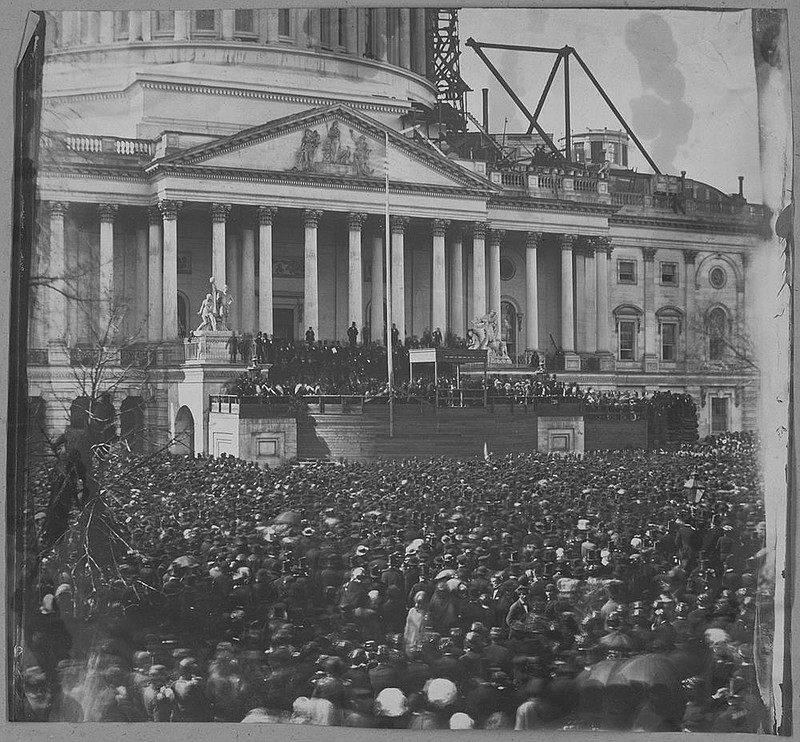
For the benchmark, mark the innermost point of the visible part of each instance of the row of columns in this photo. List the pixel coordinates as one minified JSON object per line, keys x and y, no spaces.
{"x":398,"y":34}
{"x":162,"y":251}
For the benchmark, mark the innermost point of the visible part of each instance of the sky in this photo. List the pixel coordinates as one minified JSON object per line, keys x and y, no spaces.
{"x":683,"y":80}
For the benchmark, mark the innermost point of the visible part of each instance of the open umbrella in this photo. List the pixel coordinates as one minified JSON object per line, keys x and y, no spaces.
{"x":649,"y":670}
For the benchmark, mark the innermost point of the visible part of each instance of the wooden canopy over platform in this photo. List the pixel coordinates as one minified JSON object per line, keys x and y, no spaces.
{"x":478,"y":360}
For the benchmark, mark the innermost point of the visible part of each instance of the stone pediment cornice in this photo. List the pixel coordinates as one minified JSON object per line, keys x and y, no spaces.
{"x":538,"y":204}
{"x":317,"y":116}
{"x":100,"y":172}
{"x":725,"y":226}
{"x":319,"y":180}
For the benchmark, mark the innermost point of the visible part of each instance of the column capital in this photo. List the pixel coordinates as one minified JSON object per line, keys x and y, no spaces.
{"x":689,"y":256}
{"x":153,"y":215}
{"x":496,"y":236}
{"x":479,"y":229}
{"x":590,"y":247}
{"x":376,"y":225}
{"x":649,"y":254}
{"x":439,"y":227}
{"x":568,"y":242}
{"x":169,"y":209}
{"x":107,"y":212}
{"x":266,"y":214}
{"x":457,"y":230}
{"x":58,"y":208}
{"x":219,"y":213}
{"x":355,"y":220}
{"x":398,"y":224}
{"x":533,"y":240}
{"x":311,"y":217}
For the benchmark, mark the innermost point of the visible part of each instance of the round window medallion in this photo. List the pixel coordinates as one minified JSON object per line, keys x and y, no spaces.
{"x":507,"y":269}
{"x":717,"y":277}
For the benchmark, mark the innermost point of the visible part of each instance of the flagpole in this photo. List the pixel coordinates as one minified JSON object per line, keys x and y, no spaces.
{"x":388,"y":262}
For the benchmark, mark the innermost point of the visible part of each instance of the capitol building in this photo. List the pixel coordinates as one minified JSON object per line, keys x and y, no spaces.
{"x":253,"y":146}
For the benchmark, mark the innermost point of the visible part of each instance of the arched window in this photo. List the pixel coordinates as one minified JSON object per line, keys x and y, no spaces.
{"x":628,"y":321}
{"x":79,"y":413}
{"x":717,"y":331}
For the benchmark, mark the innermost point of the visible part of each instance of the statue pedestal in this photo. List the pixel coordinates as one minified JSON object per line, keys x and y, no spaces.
{"x":210,"y":346}
{"x":572,"y":361}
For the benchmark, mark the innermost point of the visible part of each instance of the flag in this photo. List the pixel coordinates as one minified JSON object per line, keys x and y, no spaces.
{"x":485,"y":451}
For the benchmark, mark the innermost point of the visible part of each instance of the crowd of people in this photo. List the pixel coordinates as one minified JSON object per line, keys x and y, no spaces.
{"x":523,"y":592}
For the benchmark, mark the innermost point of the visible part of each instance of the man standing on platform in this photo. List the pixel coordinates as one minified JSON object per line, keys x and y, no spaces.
{"x":352,"y":335}
{"x":395,"y":335}
{"x":260,"y":341}
{"x":310,"y":337}
{"x":437,"y":338}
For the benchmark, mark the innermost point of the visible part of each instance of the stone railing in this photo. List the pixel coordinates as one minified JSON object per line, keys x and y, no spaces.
{"x":106,"y":145}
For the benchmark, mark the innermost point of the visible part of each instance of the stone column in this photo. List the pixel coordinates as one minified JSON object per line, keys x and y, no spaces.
{"x":155,"y":271}
{"x":228,"y":21}
{"x":532,"y":242}
{"x":572,"y":361}
{"x":266,"y":215}
{"x":495,"y":240}
{"x":92,"y":27}
{"x":690,"y":351}
{"x":56,"y":322}
{"x":106,"y":26}
{"x":580,"y":293}
{"x":351,"y":37}
{"x":418,"y":52}
{"x":741,"y":328}
{"x":135,"y":25}
{"x":589,"y":295}
{"x":376,"y":319}
{"x":311,"y":295}
{"x":247,"y":302}
{"x":603,"y":310}
{"x":398,"y":227}
{"x":233,"y":254}
{"x":439,"y":281}
{"x":169,"y":212}
{"x":479,"y":268}
{"x":650,"y":334}
{"x":141,"y":281}
{"x":457,"y":325}
{"x":270,"y":34}
{"x":381,"y":47}
{"x":355,"y":299}
{"x":404,"y":34}
{"x":107,"y":213}
{"x":182,"y":25}
{"x":219,"y":217}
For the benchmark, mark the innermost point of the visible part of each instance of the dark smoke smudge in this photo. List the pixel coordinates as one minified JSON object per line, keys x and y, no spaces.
{"x":660,"y":114}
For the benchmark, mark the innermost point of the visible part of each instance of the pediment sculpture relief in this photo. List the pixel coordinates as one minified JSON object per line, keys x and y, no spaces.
{"x":333,"y":155}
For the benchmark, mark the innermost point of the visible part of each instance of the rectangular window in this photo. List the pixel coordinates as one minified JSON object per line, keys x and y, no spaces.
{"x":669,"y":274}
{"x":719,"y":415}
{"x":669,"y":341}
{"x":205,"y":21}
{"x":244,"y":22}
{"x":164,"y":22}
{"x":627,"y":340}
{"x":121,"y":24}
{"x":342,"y":40}
{"x":325,"y":28}
{"x":285,"y":22}
{"x":369,"y":33}
{"x":626,"y":271}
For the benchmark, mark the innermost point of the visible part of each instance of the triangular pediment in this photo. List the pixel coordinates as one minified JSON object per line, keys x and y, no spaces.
{"x":334,"y":141}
